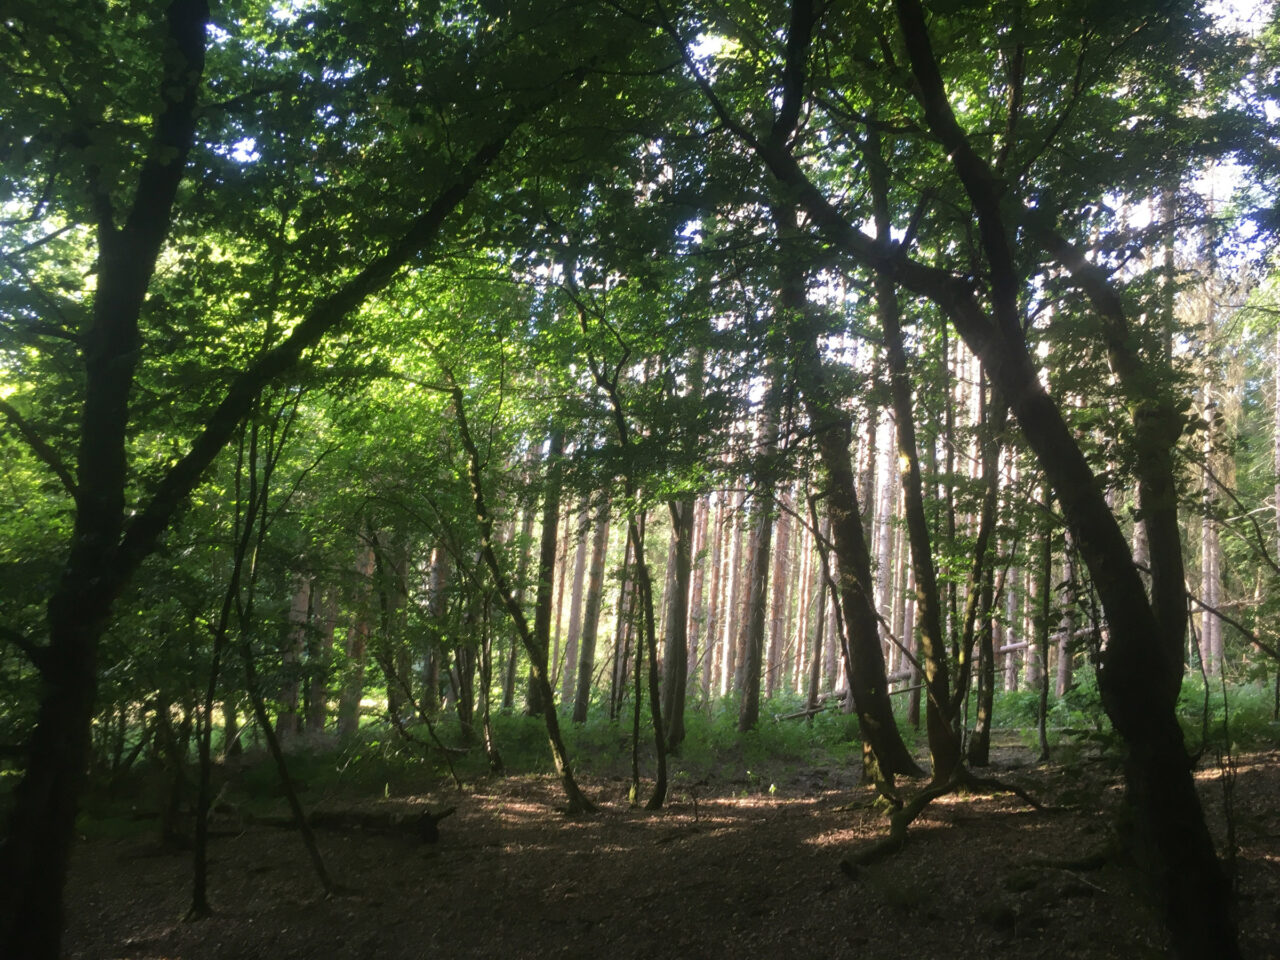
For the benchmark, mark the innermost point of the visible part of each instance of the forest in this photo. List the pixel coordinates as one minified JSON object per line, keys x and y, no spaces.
{"x":517,"y":475}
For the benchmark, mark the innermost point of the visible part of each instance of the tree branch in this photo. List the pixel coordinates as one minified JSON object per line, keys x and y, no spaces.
{"x":39,"y":656}
{"x":44,"y":453}
{"x":325,"y":315}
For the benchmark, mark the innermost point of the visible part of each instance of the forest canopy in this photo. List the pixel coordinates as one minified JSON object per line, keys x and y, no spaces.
{"x":391,"y":365}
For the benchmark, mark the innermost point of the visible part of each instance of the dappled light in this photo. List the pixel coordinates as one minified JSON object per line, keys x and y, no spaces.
{"x":665,"y":478}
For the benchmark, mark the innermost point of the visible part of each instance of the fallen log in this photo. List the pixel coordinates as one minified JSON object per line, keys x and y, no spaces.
{"x":425,"y":825}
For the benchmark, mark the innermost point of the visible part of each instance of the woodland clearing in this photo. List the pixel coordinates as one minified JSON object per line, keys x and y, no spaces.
{"x":735,"y":866}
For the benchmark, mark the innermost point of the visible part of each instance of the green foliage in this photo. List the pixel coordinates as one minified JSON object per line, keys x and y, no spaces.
{"x":1239,"y":716}
{"x":713,"y":748}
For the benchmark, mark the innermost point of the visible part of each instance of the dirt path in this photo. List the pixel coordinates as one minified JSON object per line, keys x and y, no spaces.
{"x":725,"y":876}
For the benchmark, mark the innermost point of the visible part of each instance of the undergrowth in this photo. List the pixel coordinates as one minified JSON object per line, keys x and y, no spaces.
{"x":380,"y":763}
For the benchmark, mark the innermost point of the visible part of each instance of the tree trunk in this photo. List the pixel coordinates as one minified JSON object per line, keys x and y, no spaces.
{"x":522,"y":569}
{"x":289,"y":724}
{"x":1210,"y":549}
{"x":391,"y":563}
{"x":865,"y":668}
{"x":357,"y":647}
{"x":980,"y":601}
{"x":1275,"y":434}
{"x":1044,"y":608}
{"x":319,"y":661}
{"x":591,"y":613}
{"x":820,"y":627}
{"x":577,"y":801}
{"x":711,"y":629}
{"x":568,"y":678}
{"x":980,"y":741}
{"x":697,"y":669}
{"x":674,"y":687}
{"x":622,"y":633}
{"x":778,"y":608}
{"x":1067,"y":627}
{"x":545,"y":593}
{"x":1142,"y":664}
{"x":944,"y":742}
{"x":731,"y":606}
{"x":562,"y":568}
{"x":757,"y":585}
{"x":494,"y":758}
{"x":437,"y":614}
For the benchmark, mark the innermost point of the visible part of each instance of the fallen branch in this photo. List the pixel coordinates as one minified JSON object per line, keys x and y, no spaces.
{"x":809,"y":712}
{"x":425,"y":826}
{"x":918,"y":686}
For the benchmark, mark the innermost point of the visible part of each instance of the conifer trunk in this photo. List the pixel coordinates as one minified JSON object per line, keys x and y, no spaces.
{"x":591,"y":613}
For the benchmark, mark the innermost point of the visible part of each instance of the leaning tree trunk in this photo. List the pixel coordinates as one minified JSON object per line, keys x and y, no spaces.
{"x":944,"y":740}
{"x":578,"y":803}
{"x":1141,"y":669}
{"x":865,"y":667}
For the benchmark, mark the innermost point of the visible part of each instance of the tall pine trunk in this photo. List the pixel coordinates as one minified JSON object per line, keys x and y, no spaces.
{"x":591,"y":613}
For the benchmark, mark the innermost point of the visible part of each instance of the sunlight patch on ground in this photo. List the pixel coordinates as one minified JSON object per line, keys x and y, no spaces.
{"x":1244,"y":763}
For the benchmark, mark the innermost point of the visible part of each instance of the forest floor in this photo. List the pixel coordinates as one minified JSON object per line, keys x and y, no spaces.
{"x":744,"y":866}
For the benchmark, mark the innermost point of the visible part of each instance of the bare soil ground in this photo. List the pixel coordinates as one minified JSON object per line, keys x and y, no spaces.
{"x":726,"y":870}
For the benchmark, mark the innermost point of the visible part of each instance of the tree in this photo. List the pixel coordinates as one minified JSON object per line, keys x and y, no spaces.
{"x":1142,"y":663}
{"x":129,"y":184}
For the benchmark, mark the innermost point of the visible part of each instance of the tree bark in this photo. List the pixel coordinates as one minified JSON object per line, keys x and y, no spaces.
{"x":697,"y":667}
{"x":944,"y":741}
{"x":591,"y":613}
{"x":319,"y":661}
{"x":357,"y":646}
{"x":522,"y":569}
{"x":437,"y":613}
{"x":675,"y":685}
{"x":622,"y":632}
{"x":780,"y":582}
{"x":1044,"y":608}
{"x":865,"y":668}
{"x":548,"y":544}
{"x":1067,"y":627}
{"x":764,"y":484}
{"x":577,"y":801}
{"x":37,"y":848}
{"x":567,"y":679}
{"x":289,"y":721}
{"x":1141,"y":668}
{"x":711,"y":629}
{"x":1142,"y":664}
